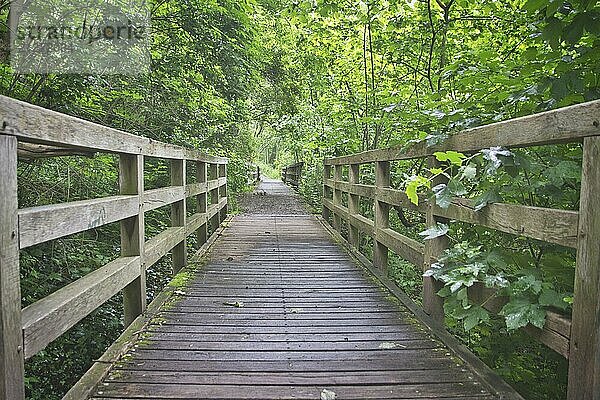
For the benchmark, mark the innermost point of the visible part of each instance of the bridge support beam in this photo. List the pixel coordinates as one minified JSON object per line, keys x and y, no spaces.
{"x":353,"y":205}
{"x":11,"y":337}
{"x":584,"y":354}
{"x":178,"y":215}
{"x":131,"y":181}
{"x":382,"y":215}
{"x":202,"y":232}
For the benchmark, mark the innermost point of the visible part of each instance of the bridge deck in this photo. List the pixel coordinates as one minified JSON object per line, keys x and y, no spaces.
{"x":280,"y":311}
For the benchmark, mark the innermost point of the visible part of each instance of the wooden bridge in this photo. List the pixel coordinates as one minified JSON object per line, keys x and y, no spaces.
{"x":277,"y":303}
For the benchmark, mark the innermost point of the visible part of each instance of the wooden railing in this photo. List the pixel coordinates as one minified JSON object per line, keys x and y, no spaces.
{"x":292,"y":174}
{"x":24,"y":332}
{"x":578,"y":340}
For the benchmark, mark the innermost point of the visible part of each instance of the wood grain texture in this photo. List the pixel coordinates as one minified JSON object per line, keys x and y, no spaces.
{"x":161,"y":244}
{"x":382,"y":215}
{"x":353,"y":204}
{"x":34,"y":124}
{"x":584,"y":361}
{"x":279,"y":312}
{"x":179,"y":214}
{"x":41,"y":224}
{"x":337,"y":198}
{"x":48,"y":318}
{"x":131,"y":182}
{"x":201,"y":201}
{"x":161,"y":197}
{"x":11,"y":339}
{"x":563,"y":125}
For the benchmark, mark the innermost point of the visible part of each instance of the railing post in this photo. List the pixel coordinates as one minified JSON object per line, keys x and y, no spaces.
{"x":12,"y":375}
{"x":382,"y":214}
{"x":326,"y":191}
{"x":223,"y":191}
{"x":202,"y":232}
{"x":337,"y":197}
{"x":433,"y":304}
{"x":131,"y":181}
{"x":214,"y":196}
{"x":584,"y":354}
{"x":178,"y":215}
{"x":353,"y":204}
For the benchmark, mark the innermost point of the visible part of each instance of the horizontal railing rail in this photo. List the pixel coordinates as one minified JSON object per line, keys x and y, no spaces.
{"x":578,"y":337}
{"x":25,"y":332}
{"x":292,"y":174}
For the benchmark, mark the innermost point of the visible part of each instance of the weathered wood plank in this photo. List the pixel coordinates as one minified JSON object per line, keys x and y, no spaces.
{"x":44,"y":223}
{"x":195,"y":189}
{"x":161,"y":244}
{"x":405,"y":247}
{"x":35,"y":124}
{"x":337,"y":200}
{"x":584,"y":361}
{"x":11,"y":340}
{"x":131,"y":182}
{"x":563,"y":125}
{"x":48,"y":318}
{"x":179,"y":214}
{"x":382,"y":215}
{"x":548,"y":225}
{"x":161,"y":197}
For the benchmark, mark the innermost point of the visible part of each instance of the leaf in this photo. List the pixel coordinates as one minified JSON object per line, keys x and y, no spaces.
{"x":456,"y":187}
{"x":469,"y":172}
{"x":476,"y":315}
{"x":414,"y":183}
{"x":327,"y":394}
{"x":551,"y":298}
{"x":520,"y":312}
{"x":453,"y":156}
{"x":493,"y":156}
{"x":443,"y":195}
{"x":390,"y":345}
{"x":535,"y":5}
{"x":488,"y":197}
{"x":435,"y":231}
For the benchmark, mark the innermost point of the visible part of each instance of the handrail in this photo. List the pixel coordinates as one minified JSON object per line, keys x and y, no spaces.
{"x":577,"y":339}
{"x":25,"y":332}
{"x":292,"y":174}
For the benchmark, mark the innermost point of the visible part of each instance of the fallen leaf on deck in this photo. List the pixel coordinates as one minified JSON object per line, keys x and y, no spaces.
{"x":328,"y":395}
{"x":390,"y":345}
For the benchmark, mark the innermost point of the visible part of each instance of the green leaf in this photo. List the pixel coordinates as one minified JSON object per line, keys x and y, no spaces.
{"x":551,"y":298}
{"x":413,"y":186}
{"x":443,"y":195}
{"x":469,"y":172}
{"x":435,"y":231}
{"x":456,"y":187}
{"x":535,"y":5}
{"x":488,"y":197}
{"x":476,"y":315}
{"x":520,"y":312}
{"x":453,"y":156}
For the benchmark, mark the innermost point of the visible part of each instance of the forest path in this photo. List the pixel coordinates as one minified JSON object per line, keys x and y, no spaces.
{"x":280,"y":311}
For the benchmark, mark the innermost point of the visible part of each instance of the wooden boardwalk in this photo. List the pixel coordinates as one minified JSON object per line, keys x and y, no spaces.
{"x":280,"y":311}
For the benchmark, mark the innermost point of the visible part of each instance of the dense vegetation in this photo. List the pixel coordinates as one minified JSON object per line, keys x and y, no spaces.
{"x":279,"y":82}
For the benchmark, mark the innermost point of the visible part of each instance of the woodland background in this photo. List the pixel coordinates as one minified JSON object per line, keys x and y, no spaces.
{"x":275,"y":82}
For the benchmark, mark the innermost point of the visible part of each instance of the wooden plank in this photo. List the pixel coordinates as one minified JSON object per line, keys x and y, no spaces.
{"x":273,"y":392}
{"x":50,"y":317}
{"x":161,"y":244}
{"x":433,"y":305}
{"x":161,"y":197}
{"x":222,"y":192}
{"x":213,"y":186}
{"x":202,"y":201}
{"x":44,"y":223}
{"x":563,"y":125}
{"x":548,"y":225}
{"x":584,"y":360}
{"x":39,"y":125}
{"x":195,"y":189}
{"x":398,"y":198}
{"x":337,"y":199}
{"x":12,"y":373}
{"x":131,"y":182}
{"x":179,"y":214}
{"x":382,"y":215}
{"x":327,"y":193}
{"x":195,"y":222}
{"x":31,"y":123}
{"x":405,"y":247}
{"x":367,"y":191}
